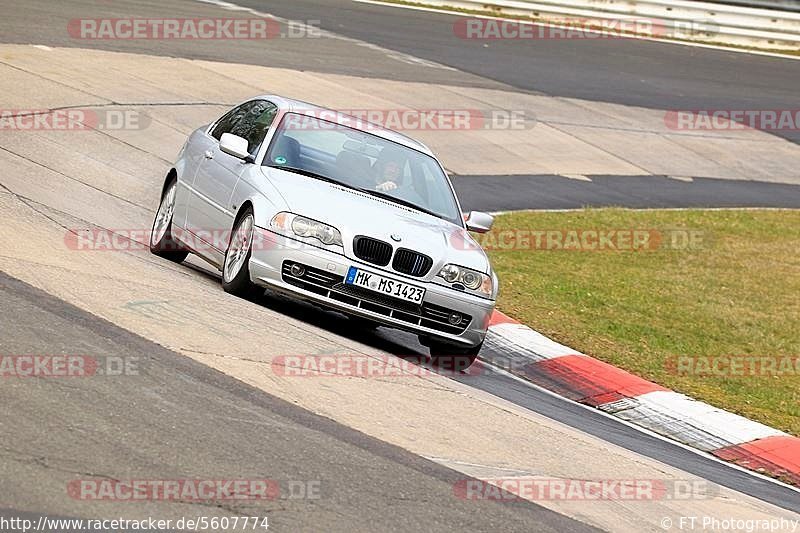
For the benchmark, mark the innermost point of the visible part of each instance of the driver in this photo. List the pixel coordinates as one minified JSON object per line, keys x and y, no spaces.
{"x":387,"y":171}
{"x":388,"y":176}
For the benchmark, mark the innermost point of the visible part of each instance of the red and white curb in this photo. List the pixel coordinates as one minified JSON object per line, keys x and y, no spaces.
{"x":581,"y":378}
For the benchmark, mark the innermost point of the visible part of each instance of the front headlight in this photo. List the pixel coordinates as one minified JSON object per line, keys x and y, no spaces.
{"x":471,"y":279}
{"x":305,"y":227}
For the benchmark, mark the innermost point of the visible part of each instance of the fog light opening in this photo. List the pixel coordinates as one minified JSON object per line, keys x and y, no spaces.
{"x":297,"y":270}
{"x":454,"y":318}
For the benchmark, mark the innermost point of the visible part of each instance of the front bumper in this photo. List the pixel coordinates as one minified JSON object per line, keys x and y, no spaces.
{"x":270,"y":267}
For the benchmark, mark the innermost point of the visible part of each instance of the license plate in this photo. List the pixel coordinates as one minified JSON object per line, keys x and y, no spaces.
{"x":380,"y":284}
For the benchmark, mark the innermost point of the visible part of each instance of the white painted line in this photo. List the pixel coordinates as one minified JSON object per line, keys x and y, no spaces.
{"x":643,"y":430}
{"x":398,"y":56}
{"x":643,"y":38}
{"x":43,"y":47}
{"x":687,"y":179}
{"x":579,"y":177}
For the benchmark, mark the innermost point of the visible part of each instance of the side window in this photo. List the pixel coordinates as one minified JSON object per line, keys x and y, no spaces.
{"x":254,"y":124}
{"x":251,"y":120}
{"x":229,"y":120}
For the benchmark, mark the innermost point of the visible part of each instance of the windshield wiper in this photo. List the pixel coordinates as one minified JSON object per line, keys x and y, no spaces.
{"x":371,"y":192}
{"x":397,"y":200}
{"x":308,"y":173}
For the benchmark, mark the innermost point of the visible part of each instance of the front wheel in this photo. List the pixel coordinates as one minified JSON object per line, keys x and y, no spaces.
{"x":162,"y":243}
{"x":453,"y":358}
{"x":236,"y":268}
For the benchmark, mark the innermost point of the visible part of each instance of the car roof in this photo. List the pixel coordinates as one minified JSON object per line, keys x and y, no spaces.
{"x":339,"y":117}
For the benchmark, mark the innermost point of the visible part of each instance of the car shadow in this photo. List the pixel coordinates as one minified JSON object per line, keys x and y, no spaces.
{"x":401,"y":344}
{"x":339,"y":324}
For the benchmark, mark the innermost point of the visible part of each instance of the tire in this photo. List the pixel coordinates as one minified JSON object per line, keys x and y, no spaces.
{"x":453,"y":358}
{"x":162,"y":243}
{"x":236,"y":267}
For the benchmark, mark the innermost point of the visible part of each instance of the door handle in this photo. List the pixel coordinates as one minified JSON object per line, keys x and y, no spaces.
{"x":208,"y":154}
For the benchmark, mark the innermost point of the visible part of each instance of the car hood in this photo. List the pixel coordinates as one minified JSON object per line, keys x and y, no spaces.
{"x":355,"y":213}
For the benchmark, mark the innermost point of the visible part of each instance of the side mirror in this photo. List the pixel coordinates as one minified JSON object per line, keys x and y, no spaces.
{"x":234,"y":145}
{"x":479,"y":222}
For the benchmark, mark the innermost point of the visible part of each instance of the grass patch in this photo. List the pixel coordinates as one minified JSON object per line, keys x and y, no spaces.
{"x":736,"y":293}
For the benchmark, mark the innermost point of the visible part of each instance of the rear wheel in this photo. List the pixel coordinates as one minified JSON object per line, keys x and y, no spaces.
{"x":236,"y":268}
{"x":162,"y":242}
{"x":453,"y":358}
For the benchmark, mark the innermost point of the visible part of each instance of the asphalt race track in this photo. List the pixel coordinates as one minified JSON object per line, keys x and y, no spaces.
{"x":505,"y":193}
{"x":221,"y":429}
{"x":627,"y":72}
{"x":208,"y":401}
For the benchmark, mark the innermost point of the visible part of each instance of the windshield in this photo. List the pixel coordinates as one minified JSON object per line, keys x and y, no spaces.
{"x":363,"y":161}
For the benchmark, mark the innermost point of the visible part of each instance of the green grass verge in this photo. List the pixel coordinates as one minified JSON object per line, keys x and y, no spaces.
{"x":737,"y":294}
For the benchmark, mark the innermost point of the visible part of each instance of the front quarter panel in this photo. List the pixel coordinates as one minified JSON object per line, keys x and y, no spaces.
{"x":255,"y":187}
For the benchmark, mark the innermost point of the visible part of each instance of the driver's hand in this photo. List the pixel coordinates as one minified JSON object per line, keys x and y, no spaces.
{"x":386,"y":186}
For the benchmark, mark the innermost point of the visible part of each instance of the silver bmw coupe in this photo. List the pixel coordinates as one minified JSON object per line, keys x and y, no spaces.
{"x":325,"y":207}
